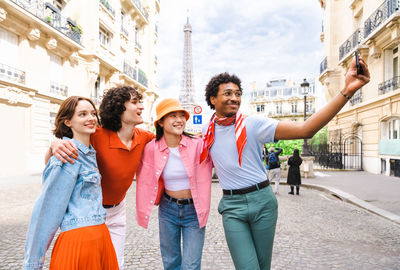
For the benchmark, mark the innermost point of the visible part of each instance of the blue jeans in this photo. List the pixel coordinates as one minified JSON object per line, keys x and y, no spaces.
{"x":176,"y":220}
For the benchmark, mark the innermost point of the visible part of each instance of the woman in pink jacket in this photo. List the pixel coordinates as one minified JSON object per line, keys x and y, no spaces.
{"x":170,"y":174}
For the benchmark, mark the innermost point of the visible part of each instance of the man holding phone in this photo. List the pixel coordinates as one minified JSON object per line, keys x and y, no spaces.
{"x":249,"y":207}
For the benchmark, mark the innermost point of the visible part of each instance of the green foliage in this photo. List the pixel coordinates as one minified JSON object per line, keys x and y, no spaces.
{"x":289,"y":145}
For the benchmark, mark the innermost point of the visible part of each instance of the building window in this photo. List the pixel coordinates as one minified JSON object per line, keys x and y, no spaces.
{"x":278,"y":108}
{"x":260,"y":108}
{"x":383,"y":166}
{"x":9,"y":47}
{"x":308,"y":106}
{"x":293,"y":106}
{"x":56,"y":70}
{"x":105,"y":37}
{"x":396,"y":62}
{"x":137,"y":38}
{"x":390,"y":129}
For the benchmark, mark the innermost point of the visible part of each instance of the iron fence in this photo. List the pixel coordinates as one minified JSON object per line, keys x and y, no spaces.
{"x":107,"y":5}
{"x":357,"y":98}
{"x":51,"y":15}
{"x":384,"y":11}
{"x":323,"y":65}
{"x":388,"y":85}
{"x":352,"y":42}
{"x":130,"y":71}
{"x":58,"y":88}
{"x":12,"y":74}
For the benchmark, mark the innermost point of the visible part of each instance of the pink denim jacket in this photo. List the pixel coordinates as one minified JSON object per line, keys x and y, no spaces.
{"x":153,"y":161}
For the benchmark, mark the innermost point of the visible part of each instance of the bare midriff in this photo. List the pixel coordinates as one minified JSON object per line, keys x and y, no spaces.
{"x":179,"y":194}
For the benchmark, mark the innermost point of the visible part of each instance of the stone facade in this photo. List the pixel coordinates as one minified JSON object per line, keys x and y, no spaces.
{"x":55,"y":49}
{"x":373,"y":114}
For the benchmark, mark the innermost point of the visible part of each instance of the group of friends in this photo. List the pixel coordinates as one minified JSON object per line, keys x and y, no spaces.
{"x":91,"y":167}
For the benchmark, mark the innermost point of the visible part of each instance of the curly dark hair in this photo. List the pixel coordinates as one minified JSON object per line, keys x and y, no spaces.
{"x":66,"y":112}
{"x":113,"y":105}
{"x":213,"y":85}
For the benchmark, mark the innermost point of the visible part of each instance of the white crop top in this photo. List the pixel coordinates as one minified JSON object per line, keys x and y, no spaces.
{"x":174,"y":173}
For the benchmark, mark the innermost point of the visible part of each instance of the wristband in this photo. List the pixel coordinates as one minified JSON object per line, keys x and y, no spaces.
{"x":346,"y":96}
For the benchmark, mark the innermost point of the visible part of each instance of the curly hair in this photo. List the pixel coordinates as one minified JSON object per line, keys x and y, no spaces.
{"x":66,"y":112}
{"x":113,"y":105}
{"x":213,"y":85}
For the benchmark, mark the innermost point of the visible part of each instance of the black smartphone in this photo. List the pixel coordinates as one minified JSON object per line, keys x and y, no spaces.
{"x":358,"y":66}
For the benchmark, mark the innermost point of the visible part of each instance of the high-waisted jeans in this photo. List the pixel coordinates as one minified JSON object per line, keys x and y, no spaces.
{"x":176,"y":221}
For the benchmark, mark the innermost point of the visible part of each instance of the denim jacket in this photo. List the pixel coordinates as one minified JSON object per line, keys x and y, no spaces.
{"x":70,"y":198}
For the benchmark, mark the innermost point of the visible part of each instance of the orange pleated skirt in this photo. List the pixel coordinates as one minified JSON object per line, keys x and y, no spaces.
{"x":87,"y":248}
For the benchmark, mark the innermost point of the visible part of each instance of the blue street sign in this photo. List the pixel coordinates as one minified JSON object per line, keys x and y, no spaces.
{"x":197,"y":119}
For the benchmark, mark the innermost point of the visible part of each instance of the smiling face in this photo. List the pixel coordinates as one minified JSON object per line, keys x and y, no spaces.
{"x":133,"y":112}
{"x":84,"y":120}
{"x":173,"y":123}
{"x":228,"y":99}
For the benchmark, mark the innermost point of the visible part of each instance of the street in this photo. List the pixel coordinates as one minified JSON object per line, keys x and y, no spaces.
{"x":314,"y":231}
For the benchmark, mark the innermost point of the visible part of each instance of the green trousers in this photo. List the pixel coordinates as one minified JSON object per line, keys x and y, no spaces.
{"x":249,"y":222}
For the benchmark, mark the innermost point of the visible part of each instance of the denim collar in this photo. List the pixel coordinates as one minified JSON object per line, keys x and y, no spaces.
{"x":81,"y":147}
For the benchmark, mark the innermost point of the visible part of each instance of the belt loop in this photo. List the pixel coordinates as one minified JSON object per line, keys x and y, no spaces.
{"x":257,"y":187}
{"x":231,"y":192}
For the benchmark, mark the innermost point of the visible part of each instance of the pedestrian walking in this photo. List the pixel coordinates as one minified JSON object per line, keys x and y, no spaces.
{"x":71,"y":200}
{"x":248,"y":206}
{"x":294,"y":177}
{"x":119,"y":146}
{"x":171,"y":162}
{"x":274,"y":167}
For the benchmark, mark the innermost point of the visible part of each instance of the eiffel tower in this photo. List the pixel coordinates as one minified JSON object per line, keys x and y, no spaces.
{"x":186,"y":96}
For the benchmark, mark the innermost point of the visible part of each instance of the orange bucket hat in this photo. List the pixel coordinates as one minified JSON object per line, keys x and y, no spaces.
{"x":169,"y":105}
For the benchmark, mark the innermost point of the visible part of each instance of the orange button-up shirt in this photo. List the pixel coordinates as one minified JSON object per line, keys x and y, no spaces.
{"x":117,"y":164}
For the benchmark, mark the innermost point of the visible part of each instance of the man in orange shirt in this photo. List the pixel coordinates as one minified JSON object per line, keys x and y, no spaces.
{"x":119,"y":146}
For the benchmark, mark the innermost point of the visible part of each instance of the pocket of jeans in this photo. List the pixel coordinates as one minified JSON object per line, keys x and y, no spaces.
{"x":90,"y":184}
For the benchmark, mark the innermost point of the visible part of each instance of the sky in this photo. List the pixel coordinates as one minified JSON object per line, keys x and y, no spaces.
{"x":256,"y":40}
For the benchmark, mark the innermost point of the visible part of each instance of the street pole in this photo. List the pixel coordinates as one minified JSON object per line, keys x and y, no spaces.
{"x":305,"y":86}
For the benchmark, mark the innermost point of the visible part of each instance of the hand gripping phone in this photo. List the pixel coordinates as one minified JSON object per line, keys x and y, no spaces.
{"x":358,"y":66}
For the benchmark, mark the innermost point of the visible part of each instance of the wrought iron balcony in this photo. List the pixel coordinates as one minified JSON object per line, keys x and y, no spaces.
{"x":357,"y":98}
{"x":12,"y":74}
{"x":58,"y":88}
{"x":380,"y":15}
{"x":323,"y":66}
{"x":107,"y":5}
{"x":142,"y":78}
{"x":352,"y":42}
{"x":130,"y":71}
{"x":138,"y":4}
{"x":51,"y":15}
{"x":389,"y":85}
{"x":124,"y":31}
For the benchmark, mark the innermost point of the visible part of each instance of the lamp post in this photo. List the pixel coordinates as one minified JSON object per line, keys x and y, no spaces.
{"x":305,"y":87}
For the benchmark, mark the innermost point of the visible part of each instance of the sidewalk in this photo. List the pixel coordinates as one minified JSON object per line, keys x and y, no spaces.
{"x":376,"y":193}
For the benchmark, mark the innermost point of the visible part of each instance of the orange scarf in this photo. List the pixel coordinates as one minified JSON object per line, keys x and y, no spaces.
{"x":240,"y":133}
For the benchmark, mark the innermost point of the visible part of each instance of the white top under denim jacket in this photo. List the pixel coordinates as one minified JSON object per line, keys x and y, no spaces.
{"x":71,"y":198}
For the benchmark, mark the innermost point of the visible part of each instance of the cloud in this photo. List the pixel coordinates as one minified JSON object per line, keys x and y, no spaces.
{"x":256,"y":40}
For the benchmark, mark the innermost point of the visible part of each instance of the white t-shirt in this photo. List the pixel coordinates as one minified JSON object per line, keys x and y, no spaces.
{"x":174,"y":173}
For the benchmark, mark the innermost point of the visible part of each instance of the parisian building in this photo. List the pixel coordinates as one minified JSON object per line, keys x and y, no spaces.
{"x":373,"y":114}
{"x":59,"y":48}
{"x":283,"y":99}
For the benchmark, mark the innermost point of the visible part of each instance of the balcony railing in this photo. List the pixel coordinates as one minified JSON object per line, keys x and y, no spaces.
{"x":389,"y":85}
{"x":142,"y":78}
{"x":352,"y":42}
{"x":96,"y":99}
{"x":380,"y":15}
{"x":357,"y":98}
{"x":12,"y":74}
{"x":51,"y":15}
{"x":130,"y":71}
{"x":323,"y":66}
{"x":58,"y":88}
{"x":138,"y":4}
{"x":124,"y":31}
{"x":107,"y":5}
